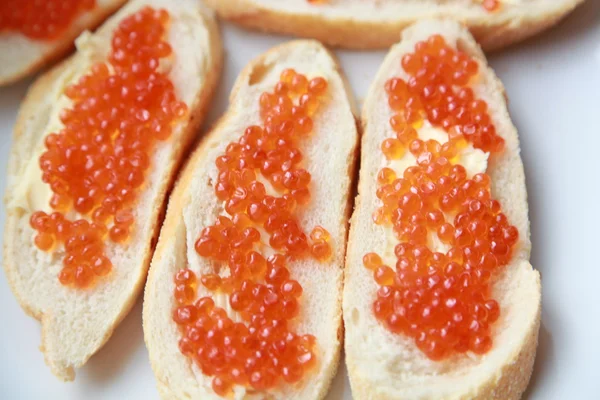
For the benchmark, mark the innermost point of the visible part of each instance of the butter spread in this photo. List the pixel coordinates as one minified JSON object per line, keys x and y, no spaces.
{"x":30,"y":193}
{"x":474,"y":160}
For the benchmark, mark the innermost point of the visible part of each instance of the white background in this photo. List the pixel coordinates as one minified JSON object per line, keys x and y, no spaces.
{"x":553,"y":83}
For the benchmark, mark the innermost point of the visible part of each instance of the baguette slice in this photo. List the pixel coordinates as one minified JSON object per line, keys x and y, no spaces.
{"x":383,"y":365}
{"x":21,"y":56}
{"x":329,"y":155}
{"x":76,"y":323}
{"x":370,"y":24}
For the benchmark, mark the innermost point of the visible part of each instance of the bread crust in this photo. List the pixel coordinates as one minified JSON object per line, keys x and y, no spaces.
{"x":178,"y":201}
{"x":509,"y":381}
{"x":492,"y":31}
{"x":29,"y":111}
{"x":63,"y":45}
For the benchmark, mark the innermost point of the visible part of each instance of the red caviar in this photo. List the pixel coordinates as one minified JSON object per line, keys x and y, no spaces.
{"x":261,"y":349}
{"x":97,"y":163}
{"x":441,"y":300}
{"x":41,"y":20}
{"x":491,"y":5}
{"x":438,"y":91}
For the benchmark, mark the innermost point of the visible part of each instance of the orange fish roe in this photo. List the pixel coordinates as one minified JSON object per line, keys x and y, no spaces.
{"x":438,"y":91}
{"x":491,"y":5}
{"x":97,"y":163}
{"x":441,"y":300}
{"x":261,"y":349}
{"x":41,"y":20}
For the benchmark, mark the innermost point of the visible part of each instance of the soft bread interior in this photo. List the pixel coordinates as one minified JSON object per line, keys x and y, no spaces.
{"x":329,"y":155}
{"x":377,"y":23}
{"x":77,"y":322}
{"x":385,"y":365}
{"x":20,"y":55}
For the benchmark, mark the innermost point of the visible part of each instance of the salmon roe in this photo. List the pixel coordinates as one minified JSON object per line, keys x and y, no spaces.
{"x":41,"y":20}
{"x":97,"y":164}
{"x":438,"y":91}
{"x":257,"y":348}
{"x":491,"y":5}
{"x":440,"y":299}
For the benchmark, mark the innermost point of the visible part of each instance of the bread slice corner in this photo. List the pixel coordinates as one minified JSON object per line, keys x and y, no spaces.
{"x":21,"y":56}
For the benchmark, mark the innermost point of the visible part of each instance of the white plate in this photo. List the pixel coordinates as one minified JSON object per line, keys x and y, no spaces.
{"x":553,"y":82}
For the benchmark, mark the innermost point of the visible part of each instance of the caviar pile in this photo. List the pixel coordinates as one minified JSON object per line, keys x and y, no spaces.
{"x":97,"y":163}
{"x":41,"y":20}
{"x":438,"y":91}
{"x":441,"y":300}
{"x":262,"y":349}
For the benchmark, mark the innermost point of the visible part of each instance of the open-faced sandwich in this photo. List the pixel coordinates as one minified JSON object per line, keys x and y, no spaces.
{"x":96,"y":147}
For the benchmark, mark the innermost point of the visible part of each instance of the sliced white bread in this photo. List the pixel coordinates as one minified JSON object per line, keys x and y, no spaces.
{"x":76,"y":323}
{"x":368,"y":24}
{"x":329,"y":155}
{"x":21,"y":56}
{"x":384,"y":365}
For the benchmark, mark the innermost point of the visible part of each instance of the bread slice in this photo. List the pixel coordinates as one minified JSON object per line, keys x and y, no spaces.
{"x":329,"y":155}
{"x":76,"y":323}
{"x":360,"y":24}
{"x":383,"y":365}
{"x":21,"y":56}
